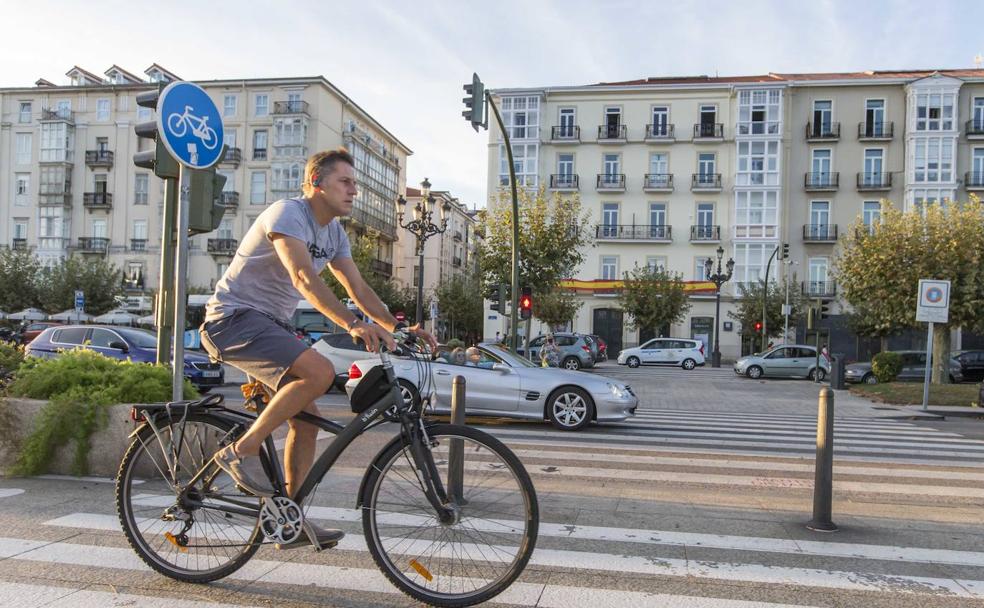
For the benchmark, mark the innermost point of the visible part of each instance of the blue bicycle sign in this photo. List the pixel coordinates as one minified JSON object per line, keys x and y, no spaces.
{"x":190,"y":125}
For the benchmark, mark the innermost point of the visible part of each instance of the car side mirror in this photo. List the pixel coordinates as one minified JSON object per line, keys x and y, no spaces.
{"x":501,"y":367}
{"x":118,"y":345}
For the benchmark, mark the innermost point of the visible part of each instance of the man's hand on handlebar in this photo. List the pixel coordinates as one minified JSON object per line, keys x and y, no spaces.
{"x":372,"y":336}
{"x":424,"y":335}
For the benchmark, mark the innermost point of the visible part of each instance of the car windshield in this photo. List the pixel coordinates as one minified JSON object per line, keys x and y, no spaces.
{"x":141,"y":338}
{"x":500,"y":351}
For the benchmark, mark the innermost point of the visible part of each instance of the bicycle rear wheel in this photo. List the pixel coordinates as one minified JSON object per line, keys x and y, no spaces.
{"x":188,"y":536}
{"x":465,"y":562}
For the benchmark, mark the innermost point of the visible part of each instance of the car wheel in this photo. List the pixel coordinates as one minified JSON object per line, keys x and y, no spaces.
{"x":572,"y":363}
{"x":817,"y":372}
{"x":689,"y":364}
{"x":870,"y":379}
{"x":754,"y":372}
{"x":632,"y":362}
{"x":570,"y":409}
{"x":409,"y":393}
{"x":953,"y":380}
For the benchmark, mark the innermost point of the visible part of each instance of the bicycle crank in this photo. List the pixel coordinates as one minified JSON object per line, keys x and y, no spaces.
{"x":281,"y":519}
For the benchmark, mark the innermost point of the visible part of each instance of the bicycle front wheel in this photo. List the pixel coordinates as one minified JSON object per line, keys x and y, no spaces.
{"x":197,"y":533}
{"x":471,"y":559}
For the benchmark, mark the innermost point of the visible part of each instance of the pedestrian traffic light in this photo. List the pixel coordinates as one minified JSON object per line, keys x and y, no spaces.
{"x":157,"y":157}
{"x":758,"y":326}
{"x":785,"y":251}
{"x":475,"y":103}
{"x":526,"y":304}
{"x":205,"y":209}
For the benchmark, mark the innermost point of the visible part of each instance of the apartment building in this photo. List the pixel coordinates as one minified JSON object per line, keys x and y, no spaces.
{"x":68,"y":184}
{"x":672,"y":168}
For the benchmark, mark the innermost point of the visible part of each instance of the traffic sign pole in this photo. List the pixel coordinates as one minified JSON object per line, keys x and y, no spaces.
{"x":165,"y":292}
{"x":929,"y":366}
{"x":180,"y":272}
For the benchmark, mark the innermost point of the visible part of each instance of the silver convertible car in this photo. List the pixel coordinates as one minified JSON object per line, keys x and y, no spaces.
{"x":502,"y":384}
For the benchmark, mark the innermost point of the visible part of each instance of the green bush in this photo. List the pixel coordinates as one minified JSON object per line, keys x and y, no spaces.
{"x":886,"y":366}
{"x":11,"y":357}
{"x":454,"y":343}
{"x":79,"y":386}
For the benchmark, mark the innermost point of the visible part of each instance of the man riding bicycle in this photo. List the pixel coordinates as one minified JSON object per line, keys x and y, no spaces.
{"x":246,"y":321}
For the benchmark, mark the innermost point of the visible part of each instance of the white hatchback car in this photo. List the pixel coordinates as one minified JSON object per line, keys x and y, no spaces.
{"x":688,"y":354}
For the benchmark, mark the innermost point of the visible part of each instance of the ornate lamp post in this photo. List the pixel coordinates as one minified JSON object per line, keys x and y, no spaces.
{"x":422,"y":229}
{"x":718,"y":278}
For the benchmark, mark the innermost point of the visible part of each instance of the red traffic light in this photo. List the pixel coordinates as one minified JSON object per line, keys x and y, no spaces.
{"x":758,"y":326}
{"x":526,"y":302}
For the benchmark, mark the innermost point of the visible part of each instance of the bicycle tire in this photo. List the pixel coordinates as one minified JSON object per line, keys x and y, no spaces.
{"x":136,"y":505}
{"x":395,"y":558}
{"x":179,"y":127}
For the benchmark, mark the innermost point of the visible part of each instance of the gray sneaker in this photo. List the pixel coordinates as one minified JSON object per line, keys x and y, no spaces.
{"x":327,"y":538}
{"x":246,"y":471}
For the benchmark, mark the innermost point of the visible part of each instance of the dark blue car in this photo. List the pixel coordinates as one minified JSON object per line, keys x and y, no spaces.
{"x":138,"y":345}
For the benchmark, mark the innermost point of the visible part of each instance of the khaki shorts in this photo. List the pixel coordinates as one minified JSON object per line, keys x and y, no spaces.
{"x":254,"y":343}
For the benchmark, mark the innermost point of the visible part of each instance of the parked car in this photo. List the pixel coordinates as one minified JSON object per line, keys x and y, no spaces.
{"x":504,"y":384}
{"x":576,"y":350}
{"x":342,"y":351}
{"x":138,"y":345}
{"x":688,"y":354}
{"x":602,"y":348}
{"x":784,"y":361}
{"x":971,"y":364}
{"x":31,"y":329}
{"x":913,"y":369}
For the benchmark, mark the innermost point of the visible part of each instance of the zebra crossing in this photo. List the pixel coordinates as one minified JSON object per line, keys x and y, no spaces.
{"x":705,"y":372}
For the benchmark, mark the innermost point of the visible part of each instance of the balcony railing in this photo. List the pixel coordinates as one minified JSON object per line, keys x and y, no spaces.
{"x":97,"y":200}
{"x":654,"y":232}
{"x":829,"y":180}
{"x":382,"y":267}
{"x":820,"y":233}
{"x":457,"y":235}
{"x":563,"y":181}
{"x":259,"y":153}
{"x":19,"y":244}
{"x":611,"y":181}
{"x":62,"y":115}
{"x":759,"y":127}
{"x":874,"y":181}
{"x":569,"y":133}
{"x":658,"y":182}
{"x":133,"y":284}
{"x":230,"y":199}
{"x":222,"y":246}
{"x":707,"y":130}
{"x":612,"y":132}
{"x":876,"y":130}
{"x":823,"y":131}
{"x":974,"y":180}
{"x":456,"y":262}
{"x":290,"y":107}
{"x":819,"y":289}
{"x":705,"y":181}
{"x":705,"y":233}
{"x":138,"y":244}
{"x":93,"y":244}
{"x":99,"y":158}
{"x":975,"y":128}
{"x":233,"y":156}
{"x":659,"y":131}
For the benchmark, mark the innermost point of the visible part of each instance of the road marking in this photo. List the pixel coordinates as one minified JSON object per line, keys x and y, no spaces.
{"x":785,"y":430}
{"x":736,"y":415}
{"x":82,"y":479}
{"x":29,"y":596}
{"x":807,"y":425}
{"x":8,"y":492}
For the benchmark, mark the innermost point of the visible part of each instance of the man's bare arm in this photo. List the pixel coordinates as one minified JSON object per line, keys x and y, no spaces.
{"x":351,"y":279}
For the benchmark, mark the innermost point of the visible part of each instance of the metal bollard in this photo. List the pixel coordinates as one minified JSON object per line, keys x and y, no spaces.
{"x":824,"y":479}
{"x":456,"y":455}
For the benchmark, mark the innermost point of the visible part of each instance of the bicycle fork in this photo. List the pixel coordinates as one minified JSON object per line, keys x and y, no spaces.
{"x":427,"y":474}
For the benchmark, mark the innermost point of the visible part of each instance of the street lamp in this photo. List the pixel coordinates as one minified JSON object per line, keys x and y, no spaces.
{"x":718,"y":278}
{"x":422,"y":229}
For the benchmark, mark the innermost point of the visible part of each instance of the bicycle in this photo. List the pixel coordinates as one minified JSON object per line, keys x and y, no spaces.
{"x":178,"y":124}
{"x":449,"y":513}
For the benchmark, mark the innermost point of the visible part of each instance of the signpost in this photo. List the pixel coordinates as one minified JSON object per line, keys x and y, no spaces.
{"x":79,"y":305}
{"x":932,"y":306}
{"x":190,"y":127}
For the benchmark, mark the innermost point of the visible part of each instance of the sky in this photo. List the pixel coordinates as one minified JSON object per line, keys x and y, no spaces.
{"x":405,"y":62}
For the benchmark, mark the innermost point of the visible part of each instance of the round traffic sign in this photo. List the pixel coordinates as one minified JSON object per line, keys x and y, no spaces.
{"x":190,"y":125}
{"x":934,"y":294}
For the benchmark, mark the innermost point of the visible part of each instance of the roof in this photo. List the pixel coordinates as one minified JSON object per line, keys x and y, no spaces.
{"x":162,"y":69}
{"x":116,"y":68}
{"x":773,"y":77}
{"x":89,"y":75}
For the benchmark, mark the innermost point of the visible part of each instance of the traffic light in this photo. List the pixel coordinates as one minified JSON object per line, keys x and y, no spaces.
{"x":811,"y":318}
{"x":823,"y":311}
{"x":785,"y":251}
{"x":157,"y":157}
{"x":526,"y":303}
{"x":496,"y":297}
{"x":205,"y":210}
{"x":758,"y":326}
{"x":475,"y":103}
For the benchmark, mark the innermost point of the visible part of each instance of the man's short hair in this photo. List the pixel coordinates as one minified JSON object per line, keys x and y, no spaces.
{"x":321,"y":164}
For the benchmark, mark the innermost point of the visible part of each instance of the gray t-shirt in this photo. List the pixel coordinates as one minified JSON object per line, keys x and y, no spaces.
{"x":257,"y":279}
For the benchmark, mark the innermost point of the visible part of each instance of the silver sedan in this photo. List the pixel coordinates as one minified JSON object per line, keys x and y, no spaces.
{"x":502,"y":384}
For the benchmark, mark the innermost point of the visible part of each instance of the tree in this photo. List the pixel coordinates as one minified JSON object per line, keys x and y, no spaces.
{"x":364,"y":253}
{"x":460,"y":302}
{"x":653,"y":297}
{"x":20,"y":273}
{"x":748,"y":307}
{"x":878,"y":270}
{"x":99,"y":279}
{"x":556,"y":308}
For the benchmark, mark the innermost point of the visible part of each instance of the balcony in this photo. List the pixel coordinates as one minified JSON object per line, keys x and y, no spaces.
{"x":259,"y":153}
{"x":708,"y":132}
{"x":820,"y":233}
{"x":819,"y":289}
{"x":758,"y":127}
{"x":822,"y":182}
{"x":705,"y":182}
{"x":612,"y":134}
{"x":99,"y":158}
{"x":872,"y":182}
{"x":138,"y":244}
{"x":222,"y":247}
{"x":563,"y":182}
{"x":97,"y":200}
{"x":650,"y":234}
{"x":660,"y":132}
{"x":658,"y":182}
{"x":93,"y":244}
{"x":49,"y":115}
{"x":232,"y":156}
{"x":456,"y":262}
{"x":704,"y":233}
{"x":55,"y":195}
{"x":133,"y":285}
{"x":57,"y":156}
{"x":19,"y":244}
{"x":975,"y":129}
{"x":823,"y":131}
{"x":565,"y":134}
{"x":382,"y":267}
{"x":230,"y":200}
{"x":457,"y":235}
{"x":876,"y":131}
{"x":610,"y":182}
{"x":974,"y":180}
{"x":290,"y":107}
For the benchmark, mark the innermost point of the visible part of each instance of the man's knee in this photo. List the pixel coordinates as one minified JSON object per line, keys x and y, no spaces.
{"x":314,"y":369}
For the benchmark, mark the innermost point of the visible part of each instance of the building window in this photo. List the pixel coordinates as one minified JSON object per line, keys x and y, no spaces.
{"x":229,"y":138}
{"x":229,"y":105}
{"x":144,"y":114}
{"x":750,"y":261}
{"x":257,"y":187}
{"x":102,"y":110}
{"x":140,"y":187}
{"x":140,"y":230}
{"x":659,"y":169}
{"x":24,"y":116}
{"x":261,"y":104}
{"x":609,"y":268}
{"x":568,"y":122}
{"x":289,"y":135}
{"x":609,"y":219}
{"x":23,"y":148}
{"x":57,"y":142}
{"x":611,"y":168}
{"x":705,"y":218}
{"x":260,"y":144}
{"x":758,"y":163}
{"x":655,"y":262}
{"x":870,"y":213}
{"x":818,"y":276}
{"x":923,"y":198}
{"x":657,"y":220}
{"x":874,"y":117}
{"x":225,"y":229}
{"x":756,"y":214}
{"x":758,"y":112}
{"x":20,"y":229}
{"x":22,"y":189}
{"x":287,"y":178}
{"x":661,"y":121}
{"x":934,"y":111}
{"x":933,"y":159}
{"x":524,"y":164}
{"x":521,"y":117}
{"x":706,"y":167}
{"x":820,"y":220}
{"x":700,"y":268}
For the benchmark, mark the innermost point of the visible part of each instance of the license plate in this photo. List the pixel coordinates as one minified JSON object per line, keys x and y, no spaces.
{"x":210,"y":374}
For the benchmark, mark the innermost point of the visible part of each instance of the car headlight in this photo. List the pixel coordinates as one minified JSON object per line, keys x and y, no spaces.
{"x":617,"y":391}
